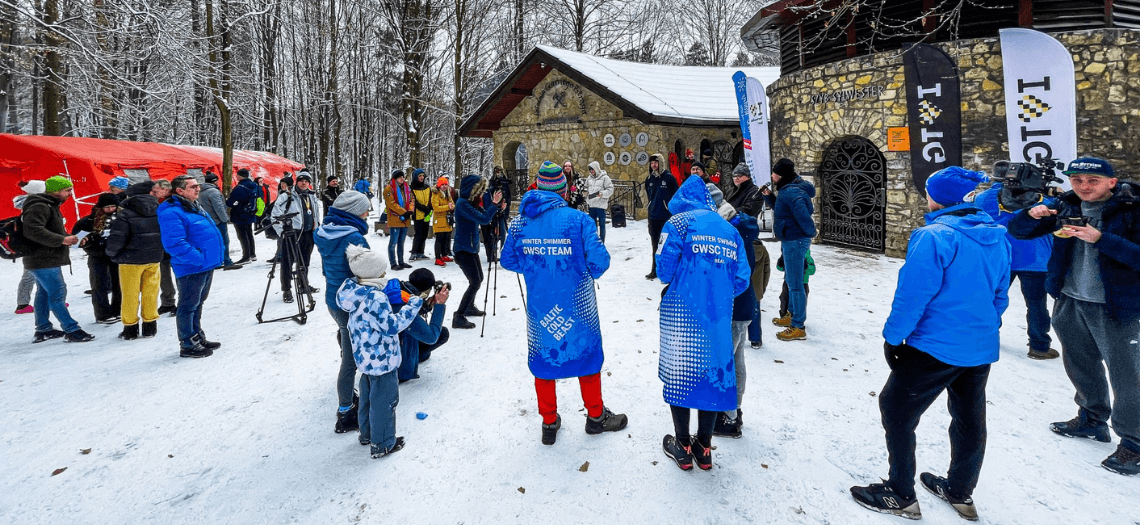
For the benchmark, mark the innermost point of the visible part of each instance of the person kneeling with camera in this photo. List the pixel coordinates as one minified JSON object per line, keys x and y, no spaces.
{"x":426,"y":333}
{"x":1094,"y":275}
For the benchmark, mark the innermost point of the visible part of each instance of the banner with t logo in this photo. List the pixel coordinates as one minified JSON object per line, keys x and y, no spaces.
{"x":1040,"y":97}
{"x":753,"y":107}
{"x":934,"y":112}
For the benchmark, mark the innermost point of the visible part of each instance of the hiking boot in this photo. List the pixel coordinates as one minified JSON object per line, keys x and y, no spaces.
{"x":1124,"y":461}
{"x":458,"y":321}
{"x":550,"y":431}
{"x":1041,"y":356}
{"x":677,"y":452}
{"x":149,"y":328}
{"x":129,"y":333}
{"x":195,"y":350}
{"x":701,"y":454}
{"x":607,"y":422}
{"x":880,"y":497}
{"x":785,"y":320}
{"x":50,"y":334}
{"x":938,"y":486}
{"x":439,"y":262}
{"x":167,"y":310}
{"x":25,"y":309}
{"x":1081,"y":427}
{"x":474,"y":312}
{"x":207,"y":344}
{"x":379,"y":452}
{"x":312,"y":290}
{"x":757,"y":344}
{"x":792,"y":333}
{"x":347,"y":421}
{"x":78,"y":336}
{"x":726,"y":427}
{"x":287,"y":296}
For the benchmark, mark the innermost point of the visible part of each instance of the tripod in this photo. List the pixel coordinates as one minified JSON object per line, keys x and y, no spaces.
{"x":290,"y":240}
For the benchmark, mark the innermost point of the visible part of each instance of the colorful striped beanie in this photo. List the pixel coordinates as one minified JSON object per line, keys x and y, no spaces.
{"x":551,"y":178}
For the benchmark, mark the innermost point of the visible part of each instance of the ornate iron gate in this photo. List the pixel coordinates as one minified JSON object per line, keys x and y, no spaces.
{"x":853,"y":207}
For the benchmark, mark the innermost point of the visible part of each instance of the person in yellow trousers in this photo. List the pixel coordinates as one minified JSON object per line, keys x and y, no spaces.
{"x":441,"y":206}
{"x":135,"y":244}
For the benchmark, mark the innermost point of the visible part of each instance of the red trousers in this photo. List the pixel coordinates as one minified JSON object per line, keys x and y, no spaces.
{"x":548,"y":399}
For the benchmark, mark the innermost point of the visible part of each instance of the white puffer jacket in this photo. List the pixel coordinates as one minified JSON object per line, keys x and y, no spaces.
{"x":599,"y":187}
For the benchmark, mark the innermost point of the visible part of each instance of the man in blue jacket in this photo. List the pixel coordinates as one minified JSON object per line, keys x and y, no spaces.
{"x":558,"y":251}
{"x":243,"y":213}
{"x":942,"y":334}
{"x":1030,"y":260}
{"x":660,"y":186}
{"x":195,"y":246}
{"x":1094,"y":276}
{"x":794,"y":226}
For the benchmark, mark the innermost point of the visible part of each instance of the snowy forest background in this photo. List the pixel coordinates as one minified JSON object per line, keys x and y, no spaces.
{"x":352,"y":88}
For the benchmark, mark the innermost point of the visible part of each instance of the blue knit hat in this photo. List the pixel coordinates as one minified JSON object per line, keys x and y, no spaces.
{"x":551,"y":178}
{"x":948,"y":186}
{"x":119,"y":182}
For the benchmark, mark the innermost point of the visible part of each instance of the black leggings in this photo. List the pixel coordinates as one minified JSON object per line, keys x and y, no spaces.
{"x":421,"y":234}
{"x":442,"y":244}
{"x":705,"y":422}
{"x":473,"y":270}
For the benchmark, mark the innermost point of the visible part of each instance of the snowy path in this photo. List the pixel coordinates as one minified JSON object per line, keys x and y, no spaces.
{"x":246,"y":436}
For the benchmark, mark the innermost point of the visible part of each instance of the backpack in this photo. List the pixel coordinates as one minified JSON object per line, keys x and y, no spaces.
{"x":13,"y":245}
{"x":259,"y":207}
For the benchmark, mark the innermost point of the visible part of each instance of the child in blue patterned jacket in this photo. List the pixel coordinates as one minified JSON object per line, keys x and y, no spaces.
{"x":375,"y":333}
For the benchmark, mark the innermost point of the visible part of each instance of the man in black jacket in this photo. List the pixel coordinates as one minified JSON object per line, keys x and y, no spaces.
{"x":1094,"y":276}
{"x":745,"y":197}
{"x":243,"y":213}
{"x":48,"y":243}
{"x":135,"y":244}
{"x":660,"y":186}
{"x":331,"y":192}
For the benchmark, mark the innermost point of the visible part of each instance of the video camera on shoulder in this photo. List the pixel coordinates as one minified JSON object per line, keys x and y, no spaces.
{"x":1025,"y":184}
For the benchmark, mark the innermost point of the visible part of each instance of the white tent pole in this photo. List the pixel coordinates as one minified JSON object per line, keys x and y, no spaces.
{"x":74,"y":199}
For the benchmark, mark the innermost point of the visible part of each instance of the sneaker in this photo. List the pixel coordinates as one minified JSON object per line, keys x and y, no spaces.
{"x":108,"y":320}
{"x":785,"y":320}
{"x":702,"y":455}
{"x":677,"y":452}
{"x":607,"y":422}
{"x":271,"y":260}
{"x":757,"y":344}
{"x":347,"y":421}
{"x":460,"y":322}
{"x":78,"y":336}
{"x":730,"y":428}
{"x":439,"y":262}
{"x":207,"y":344}
{"x":195,"y":350}
{"x":550,"y":431}
{"x":1080,"y":427}
{"x":172,"y":310}
{"x":130,"y":332}
{"x":1041,"y":356}
{"x":25,"y":309}
{"x":792,"y":333}
{"x":938,"y":486}
{"x":474,"y":312}
{"x":50,"y":334}
{"x":287,"y":296}
{"x":149,"y":328}
{"x":379,"y":452}
{"x":447,"y":259}
{"x":245,"y":260}
{"x":880,"y":497}
{"x":1124,"y":461}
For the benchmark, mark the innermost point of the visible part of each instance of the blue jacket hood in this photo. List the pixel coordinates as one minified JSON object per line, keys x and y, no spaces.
{"x":693,"y":195}
{"x":971,"y":222}
{"x":467,"y":184}
{"x":535,"y":203}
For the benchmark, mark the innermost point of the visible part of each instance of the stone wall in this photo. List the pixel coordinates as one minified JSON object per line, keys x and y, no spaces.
{"x":1107,"y":64}
{"x":564,"y":120}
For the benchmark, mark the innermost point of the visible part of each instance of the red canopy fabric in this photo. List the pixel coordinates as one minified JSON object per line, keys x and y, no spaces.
{"x":92,"y":163}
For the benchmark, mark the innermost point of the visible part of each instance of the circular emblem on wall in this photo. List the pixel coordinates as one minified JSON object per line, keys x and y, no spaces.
{"x":625,"y":140}
{"x":609,"y":140}
{"x":642,"y":158}
{"x":642,"y":139}
{"x":626,"y":158}
{"x":609,"y":158}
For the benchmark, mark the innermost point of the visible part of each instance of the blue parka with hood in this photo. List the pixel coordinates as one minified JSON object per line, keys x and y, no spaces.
{"x":701,"y":257}
{"x":558,"y":251}
{"x":953,"y":288}
{"x":468,"y":216}
{"x":190,"y":236}
{"x":339,"y":230}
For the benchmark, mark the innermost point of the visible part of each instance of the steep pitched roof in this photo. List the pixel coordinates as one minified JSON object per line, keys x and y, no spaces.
{"x":651,"y":93}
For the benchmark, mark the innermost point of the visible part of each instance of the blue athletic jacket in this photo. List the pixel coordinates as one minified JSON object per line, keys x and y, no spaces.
{"x":190,"y":236}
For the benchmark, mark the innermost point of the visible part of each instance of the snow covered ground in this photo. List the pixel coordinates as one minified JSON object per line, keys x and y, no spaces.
{"x":246,"y":436}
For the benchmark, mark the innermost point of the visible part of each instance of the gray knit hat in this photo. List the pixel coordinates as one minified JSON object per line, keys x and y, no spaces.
{"x":741,"y":170}
{"x":352,"y":202}
{"x":716,"y":194}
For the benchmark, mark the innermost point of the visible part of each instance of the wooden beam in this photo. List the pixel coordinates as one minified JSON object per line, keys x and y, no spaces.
{"x":1025,"y":13}
{"x":851,"y":51}
{"x":1108,"y":16}
{"x":523,"y":92}
{"x":929,"y":18}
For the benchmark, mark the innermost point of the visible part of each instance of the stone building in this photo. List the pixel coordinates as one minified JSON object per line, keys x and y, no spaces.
{"x":834,"y":104}
{"x":560,"y":105}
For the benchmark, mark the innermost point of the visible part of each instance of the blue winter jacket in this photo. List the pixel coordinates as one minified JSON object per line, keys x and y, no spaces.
{"x":749,"y":230}
{"x":190,"y":236}
{"x":1030,"y":255}
{"x":469,"y":217}
{"x":373,"y":327}
{"x":558,"y":251}
{"x":1118,"y":250}
{"x":364,"y":186}
{"x":701,"y":257}
{"x":952,"y":289}
{"x":339,"y":230}
{"x":420,"y":331}
{"x":244,"y":193}
{"x":792,"y":211}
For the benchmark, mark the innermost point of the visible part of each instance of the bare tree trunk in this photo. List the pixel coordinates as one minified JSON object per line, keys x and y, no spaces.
{"x":9,"y":30}
{"x":53,"y":83}
{"x":220,"y":80}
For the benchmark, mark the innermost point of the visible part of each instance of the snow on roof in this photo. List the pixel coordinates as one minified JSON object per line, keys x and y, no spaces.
{"x":672,"y":92}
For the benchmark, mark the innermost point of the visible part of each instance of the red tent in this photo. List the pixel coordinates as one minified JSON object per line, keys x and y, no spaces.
{"x":92,"y":163}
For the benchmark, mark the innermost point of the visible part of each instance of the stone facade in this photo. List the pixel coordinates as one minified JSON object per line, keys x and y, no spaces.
{"x":563,"y":120}
{"x":804,"y":125}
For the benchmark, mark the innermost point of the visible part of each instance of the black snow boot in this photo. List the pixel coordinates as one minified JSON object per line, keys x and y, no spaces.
{"x":678,"y":452}
{"x":938,"y":486}
{"x":550,"y":432}
{"x":379,"y":452}
{"x":607,"y":422}
{"x":460,"y":322}
{"x":209,"y":345}
{"x":78,"y":336}
{"x":474,"y":312}
{"x":726,"y":427}
{"x":149,"y":328}
{"x":701,"y":454}
{"x":50,"y":334}
{"x":347,"y":421}
{"x":287,"y":296}
{"x":130,"y":332}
